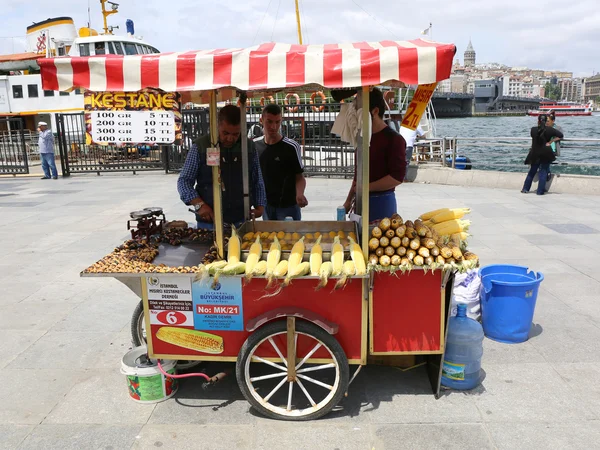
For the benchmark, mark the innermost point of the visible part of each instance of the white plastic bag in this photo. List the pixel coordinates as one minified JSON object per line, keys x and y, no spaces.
{"x":466,"y":291}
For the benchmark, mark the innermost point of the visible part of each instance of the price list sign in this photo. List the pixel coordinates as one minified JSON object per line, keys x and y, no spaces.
{"x":133,"y":127}
{"x":150,"y":116}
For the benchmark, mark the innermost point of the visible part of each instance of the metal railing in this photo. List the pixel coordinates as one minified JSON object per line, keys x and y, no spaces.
{"x":577,"y":155}
{"x":13,"y":153}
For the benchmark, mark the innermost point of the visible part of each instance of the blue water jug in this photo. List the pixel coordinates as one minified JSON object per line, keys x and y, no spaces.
{"x":464,"y":348}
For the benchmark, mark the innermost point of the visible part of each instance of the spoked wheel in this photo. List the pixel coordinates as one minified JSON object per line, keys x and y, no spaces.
{"x":275,"y":376}
{"x":138,"y":335}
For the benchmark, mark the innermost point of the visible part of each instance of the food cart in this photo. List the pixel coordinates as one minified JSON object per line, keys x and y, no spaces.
{"x":293,"y":350}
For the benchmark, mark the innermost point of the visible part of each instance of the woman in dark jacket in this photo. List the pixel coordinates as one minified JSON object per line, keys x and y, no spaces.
{"x":541,"y":155}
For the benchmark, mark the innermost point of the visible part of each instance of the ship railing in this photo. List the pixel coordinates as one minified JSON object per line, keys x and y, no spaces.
{"x":503,"y":153}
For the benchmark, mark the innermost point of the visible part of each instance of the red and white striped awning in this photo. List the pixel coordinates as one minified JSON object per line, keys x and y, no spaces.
{"x":264,"y":67}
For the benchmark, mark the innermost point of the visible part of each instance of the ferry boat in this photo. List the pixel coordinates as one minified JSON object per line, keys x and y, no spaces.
{"x":563,"y":109}
{"x":21,"y":92}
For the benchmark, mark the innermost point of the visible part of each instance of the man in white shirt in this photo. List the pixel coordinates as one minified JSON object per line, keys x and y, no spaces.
{"x":46,"y":145}
{"x":410,"y":136}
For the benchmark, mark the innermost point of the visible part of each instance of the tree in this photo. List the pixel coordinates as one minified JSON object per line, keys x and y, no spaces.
{"x":553,"y":91}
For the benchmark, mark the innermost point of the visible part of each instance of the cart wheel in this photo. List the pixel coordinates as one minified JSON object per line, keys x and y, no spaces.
{"x":307,"y":391}
{"x":138,"y":335}
{"x":138,"y":326}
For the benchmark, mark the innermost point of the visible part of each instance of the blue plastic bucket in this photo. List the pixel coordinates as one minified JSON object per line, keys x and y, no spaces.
{"x":508,"y":296}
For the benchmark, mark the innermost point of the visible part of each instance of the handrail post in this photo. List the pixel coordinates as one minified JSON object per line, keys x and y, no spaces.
{"x":454,"y":142}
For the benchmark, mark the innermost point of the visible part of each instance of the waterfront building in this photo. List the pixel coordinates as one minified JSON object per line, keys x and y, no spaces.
{"x":592,"y":89}
{"x":571,"y":89}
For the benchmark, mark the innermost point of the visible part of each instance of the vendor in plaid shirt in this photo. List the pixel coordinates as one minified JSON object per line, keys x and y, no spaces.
{"x":195,"y":181}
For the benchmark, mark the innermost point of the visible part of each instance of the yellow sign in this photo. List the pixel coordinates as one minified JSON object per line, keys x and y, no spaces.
{"x":417,"y":106}
{"x":132,"y":100}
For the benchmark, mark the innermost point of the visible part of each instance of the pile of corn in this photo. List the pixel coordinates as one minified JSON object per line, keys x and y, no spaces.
{"x":398,"y":245}
{"x":288,"y":239}
{"x":447,"y":222}
{"x":274,"y":267}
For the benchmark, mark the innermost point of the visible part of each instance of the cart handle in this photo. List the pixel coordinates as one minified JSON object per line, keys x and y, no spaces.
{"x":289,"y":311}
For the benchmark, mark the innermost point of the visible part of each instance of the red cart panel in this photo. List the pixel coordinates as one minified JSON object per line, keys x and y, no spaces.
{"x":407,"y":313}
{"x":345,"y":308}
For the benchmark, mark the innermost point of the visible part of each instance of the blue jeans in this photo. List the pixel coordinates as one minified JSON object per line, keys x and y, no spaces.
{"x":382,"y":204}
{"x":273,"y":213}
{"x":543,"y":177}
{"x":48,"y":164}
{"x":409,"y":152}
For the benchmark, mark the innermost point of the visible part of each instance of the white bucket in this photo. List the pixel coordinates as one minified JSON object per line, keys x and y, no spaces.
{"x":145,"y":382}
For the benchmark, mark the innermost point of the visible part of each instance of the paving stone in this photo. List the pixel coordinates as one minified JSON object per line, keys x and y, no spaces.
{"x":77,"y":437}
{"x":305,"y":436}
{"x":14,"y":342}
{"x":102,"y":398}
{"x":195,"y":437}
{"x":584,"y":380}
{"x":527,"y":392}
{"x":77,"y":350}
{"x":12,"y":435}
{"x":559,"y":436}
{"x":431,"y":436}
{"x":32,"y":315}
{"x":573,"y":228}
{"x":27,"y":398}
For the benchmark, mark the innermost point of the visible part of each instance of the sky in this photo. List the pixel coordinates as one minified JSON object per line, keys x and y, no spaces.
{"x":550,"y":35}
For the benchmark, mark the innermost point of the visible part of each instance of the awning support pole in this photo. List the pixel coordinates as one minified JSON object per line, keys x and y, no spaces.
{"x":216,"y":175}
{"x":364,"y":159}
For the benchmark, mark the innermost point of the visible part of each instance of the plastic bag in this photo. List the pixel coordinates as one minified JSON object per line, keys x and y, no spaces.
{"x":466,"y":290}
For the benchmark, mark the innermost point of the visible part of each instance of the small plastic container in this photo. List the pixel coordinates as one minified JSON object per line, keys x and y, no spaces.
{"x":341,"y":214}
{"x":464,"y":348}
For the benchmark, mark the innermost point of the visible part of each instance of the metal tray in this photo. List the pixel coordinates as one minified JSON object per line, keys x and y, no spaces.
{"x":301,"y":227}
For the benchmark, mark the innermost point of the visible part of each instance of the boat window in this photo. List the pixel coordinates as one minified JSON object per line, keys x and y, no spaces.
{"x":64,"y":94}
{"x":32,"y":90}
{"x":118,"y":48}
{"x":99,"y":48}
{"x":17,"y":91}
{"x":48,"y":93}
{"x":146,"y":49}
{"x":78,"y":91}
{"x":154,"y":50}
{"x":130,"y":49}
{"x":84,"y":49}
{"x":111,"y":49}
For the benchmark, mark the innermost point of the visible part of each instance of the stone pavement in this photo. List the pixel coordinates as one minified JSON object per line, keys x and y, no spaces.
{"x":62,"y":337}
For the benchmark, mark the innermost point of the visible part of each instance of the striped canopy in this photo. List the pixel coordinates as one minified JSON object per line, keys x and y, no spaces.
{"x":265,"y":67}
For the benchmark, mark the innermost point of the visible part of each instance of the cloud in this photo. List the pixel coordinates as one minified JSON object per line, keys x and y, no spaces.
{"x":548,"y":35}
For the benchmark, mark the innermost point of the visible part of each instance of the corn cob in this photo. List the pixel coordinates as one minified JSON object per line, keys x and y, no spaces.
{"x":272,"y":260}
{"x":395,"y":260}
{"x":428,"y":215}
{"x":446,"y":252}
{"x":296,"y":255}
{"x":451,"y":214}
{"x":230,"y":269}
{"x":214,"y":266}
{"x":357,"y":256}
{"x":418,"y":260}
{"x":191,"y":339}
{"x":451,"y":227}
{"x":456,"y":252}
{"x":348,"y":270}
{"x":233,"y":247}
{"x":253,"y":256}
{"x":337,"y":257}
{"x":281,"y":269}
{"x":324,"y":274}
{"x":260,"y":268}
{"x":460,"y":236}
{"x":470,"y":256}
{"x":424,"y":252}
{"x":299,"y":271}
{"x":316,"y":258}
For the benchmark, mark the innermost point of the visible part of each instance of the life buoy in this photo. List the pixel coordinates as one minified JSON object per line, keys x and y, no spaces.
{"x":389,"y":97}
{"x":262,"y":100}
{"x":323,"y":100}
{"x":287,"y":101}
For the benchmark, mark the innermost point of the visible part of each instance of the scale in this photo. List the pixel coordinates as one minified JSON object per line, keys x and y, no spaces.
{"x":146,"y":222}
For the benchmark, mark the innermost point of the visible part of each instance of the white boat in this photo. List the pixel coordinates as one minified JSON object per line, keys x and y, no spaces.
{"x":563,"y":109}
{"x":21,"y":92}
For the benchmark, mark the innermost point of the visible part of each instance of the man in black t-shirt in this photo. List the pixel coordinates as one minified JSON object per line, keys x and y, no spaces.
{"x":282,"y":168}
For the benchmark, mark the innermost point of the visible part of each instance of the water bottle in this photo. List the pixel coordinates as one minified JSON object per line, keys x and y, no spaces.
{"x":464,"y":348}
{"x":341,"y":213}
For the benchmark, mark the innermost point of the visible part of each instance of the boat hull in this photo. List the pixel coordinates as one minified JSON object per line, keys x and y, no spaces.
{"x":560,"y":113}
